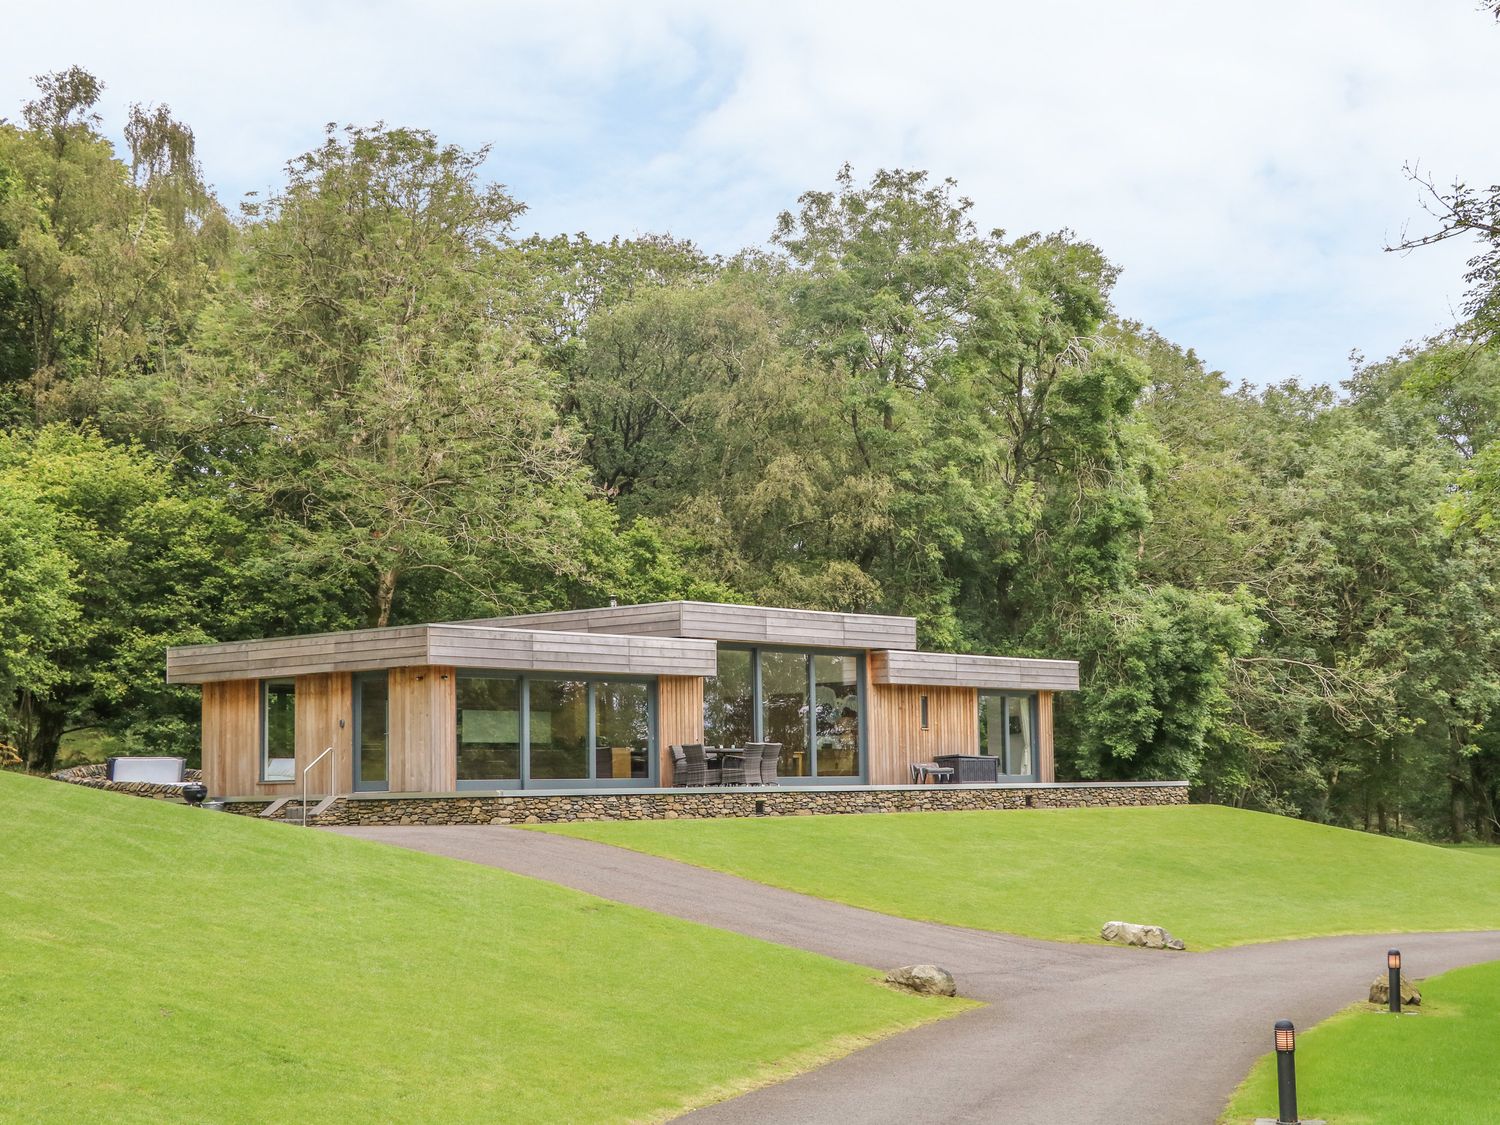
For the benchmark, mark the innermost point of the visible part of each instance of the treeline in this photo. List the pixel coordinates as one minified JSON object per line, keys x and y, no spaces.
{"x":365,"y":400}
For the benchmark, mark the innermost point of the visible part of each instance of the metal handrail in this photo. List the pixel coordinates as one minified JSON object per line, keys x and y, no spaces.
{"x":307,"y":767}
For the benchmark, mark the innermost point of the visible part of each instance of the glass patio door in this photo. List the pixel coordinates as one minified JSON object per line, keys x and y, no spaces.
{"x":371,"y":733}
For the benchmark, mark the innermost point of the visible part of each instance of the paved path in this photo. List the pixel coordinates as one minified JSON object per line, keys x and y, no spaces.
{"x":1073,"y":1034}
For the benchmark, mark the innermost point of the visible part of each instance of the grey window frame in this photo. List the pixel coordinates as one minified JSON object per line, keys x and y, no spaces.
{"x":593,"y":780}
{"x":265,"y":732}
{"x":356,"y":700}
{"x":1033,"y":704}
{"x":757,"y":716}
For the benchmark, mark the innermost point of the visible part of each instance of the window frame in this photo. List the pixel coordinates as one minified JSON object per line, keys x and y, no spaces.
{"x":264,"y":771}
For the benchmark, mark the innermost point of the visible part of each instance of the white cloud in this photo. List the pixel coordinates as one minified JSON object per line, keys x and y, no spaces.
{"x":1242,"y":164}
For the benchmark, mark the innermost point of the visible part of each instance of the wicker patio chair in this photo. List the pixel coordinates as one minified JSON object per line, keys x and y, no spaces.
{"x":679,"y":766}
{"x":770,"y":757}
{"x":742,"y":765}
{"x":697,"y":771}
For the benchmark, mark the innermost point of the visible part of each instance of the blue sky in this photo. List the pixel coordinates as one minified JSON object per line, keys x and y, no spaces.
{"x":1241,"y":163}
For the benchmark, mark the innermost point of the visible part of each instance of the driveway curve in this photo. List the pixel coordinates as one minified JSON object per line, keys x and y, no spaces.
{"x":1071,"y":1034}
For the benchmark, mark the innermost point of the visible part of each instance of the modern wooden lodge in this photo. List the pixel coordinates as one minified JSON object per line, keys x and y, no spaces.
{"x":593,"y":699}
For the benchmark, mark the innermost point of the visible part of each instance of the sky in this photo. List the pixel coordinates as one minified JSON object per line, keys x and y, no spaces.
{"x":1241,"y":163}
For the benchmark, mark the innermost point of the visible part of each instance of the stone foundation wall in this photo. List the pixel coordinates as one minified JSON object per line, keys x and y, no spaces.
{"x":95,"y":776}
{"x":690,"y":804}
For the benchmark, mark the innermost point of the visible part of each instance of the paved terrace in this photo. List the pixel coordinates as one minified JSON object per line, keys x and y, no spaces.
{"x":1071,"y":1034}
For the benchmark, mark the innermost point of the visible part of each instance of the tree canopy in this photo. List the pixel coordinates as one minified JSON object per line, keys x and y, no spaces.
{"x":364,"y":400}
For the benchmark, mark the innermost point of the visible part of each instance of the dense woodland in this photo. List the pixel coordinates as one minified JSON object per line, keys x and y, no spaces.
{"x":364,"y":399}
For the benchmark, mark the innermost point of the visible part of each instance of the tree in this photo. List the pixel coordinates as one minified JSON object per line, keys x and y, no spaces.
{"x":393,"y":425}
{"x":121,"y":562}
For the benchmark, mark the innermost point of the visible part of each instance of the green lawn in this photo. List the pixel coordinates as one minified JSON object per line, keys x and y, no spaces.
{"x":1366,"y":1066}
{"x":160,"y":963}
{"x":1213,"y":876}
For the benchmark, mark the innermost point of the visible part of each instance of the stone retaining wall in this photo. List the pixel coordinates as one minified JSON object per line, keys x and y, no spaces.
{"x":95,"y":776}
{"x":690,"y":804}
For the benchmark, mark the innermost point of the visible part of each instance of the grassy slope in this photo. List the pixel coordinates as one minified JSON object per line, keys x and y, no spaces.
{"x":160,"y":963}
{"x":1213,"y":876}
{"x":1366,"y":1066}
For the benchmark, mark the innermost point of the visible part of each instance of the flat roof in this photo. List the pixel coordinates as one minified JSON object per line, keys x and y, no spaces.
{"x":458,"y":644}
{"x":734,"y":624}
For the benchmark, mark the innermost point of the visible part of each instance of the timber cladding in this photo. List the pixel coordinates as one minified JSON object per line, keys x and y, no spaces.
{"x":679,"y":718}
{"x":421,"y":737}
{"x":958,"y":669}
{"x":737,"y":624}
{"x":896,"y":737}
{"x":467,"y":646}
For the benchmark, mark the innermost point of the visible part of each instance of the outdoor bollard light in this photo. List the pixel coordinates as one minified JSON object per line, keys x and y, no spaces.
{"x":1393,"y":965}
{"x":1286,"y":1073}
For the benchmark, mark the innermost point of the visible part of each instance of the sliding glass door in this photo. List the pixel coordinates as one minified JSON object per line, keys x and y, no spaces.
{"x":810,"y":702}
{"x":554,"y":731}
{"x":1007,"y":730}
{"x":371,"y":732}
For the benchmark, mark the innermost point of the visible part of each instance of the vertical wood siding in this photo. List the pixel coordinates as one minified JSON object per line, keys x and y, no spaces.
{"x":895,"y":727}
{"x":679,"y":717}
{"x":231,"y":741}
{"x":1046,"y":767}
{"x":323,"y":699}
{"x":423,"y":740}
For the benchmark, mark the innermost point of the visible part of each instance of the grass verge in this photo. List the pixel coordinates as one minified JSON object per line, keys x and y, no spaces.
{"x":1364,"y":1065}
{"x":1214,"y":876}
{"x":169,"y":964}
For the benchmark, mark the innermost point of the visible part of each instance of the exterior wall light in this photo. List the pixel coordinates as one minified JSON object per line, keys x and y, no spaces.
{"x":1393,"y":968}
{"x":1286,"y":1073}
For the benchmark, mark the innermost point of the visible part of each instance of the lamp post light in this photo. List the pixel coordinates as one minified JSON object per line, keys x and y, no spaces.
{"x":1286,"y":1073}
{"x":1393,"y":967}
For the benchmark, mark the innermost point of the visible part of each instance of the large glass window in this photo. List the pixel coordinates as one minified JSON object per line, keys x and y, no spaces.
{"x":810,"y":702}
{"x":489,"y":728}
{"x":371,"y":754}
{"x":729,"y":700}
{"x":622,"y":730}
{"x":278,"y":725}
{"x":558,"y":725}
{"x":784,"y":708}
{"x":1018,"y":756}
{"x":1006,"y":732}
{"x":836,"y":710}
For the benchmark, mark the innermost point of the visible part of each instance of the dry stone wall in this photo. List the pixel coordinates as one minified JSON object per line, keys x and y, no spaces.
{"x":690,"y":804}
{"x":96,"y":776}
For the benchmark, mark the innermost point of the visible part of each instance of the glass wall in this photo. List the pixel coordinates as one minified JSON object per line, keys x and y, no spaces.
{"x":810,"y":702}
{"x":729,"y":700}
{"x":1007,"y":732}
{"x":278,"y":726}
{"x":622,"y":730}
{"x":784,"y":709}
{"x":836,"y":711}
{"x":539,"y":730}
{"x":489,"y":728}
{"x":371,"y":724}
{"x":558,"y":726}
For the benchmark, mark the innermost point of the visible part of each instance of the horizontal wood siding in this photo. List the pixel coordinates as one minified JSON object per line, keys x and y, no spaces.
{"x":895,"y":727}
{"x":990,"y":673}
{"x":423,"y":742}
{"x":323,"y":700}
{"x":353,"y":651}
{"x":739,"y":624}
{"x":679,"y":717}
{"x":465,"y":646}
{"x":1045,"y":761}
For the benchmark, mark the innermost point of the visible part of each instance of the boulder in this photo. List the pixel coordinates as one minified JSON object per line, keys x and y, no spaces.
{"x":1133,"y":933}
{"x":925,"y":980}
{"x":1380,"y":992}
